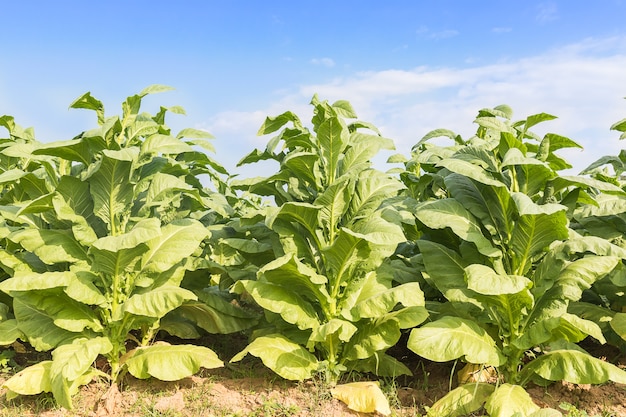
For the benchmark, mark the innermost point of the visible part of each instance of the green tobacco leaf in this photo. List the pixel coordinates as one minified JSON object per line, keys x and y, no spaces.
{"x":470,"y":170}
{"x":290,"y":305}
{"x":30,"y":381}
{"x":164,"y":145}
{"x":288,"y":272}
{"x":374,"y":336}
{"x":111,"y":189}
{"x":9,"y":332}
{"x":333,"y":137}
{"x":286,"y":358}
{"x":114,"y":255}
{"x":409,"y":294}
{"x":70,"y":362}
{"x":448,"y":212}
{"x":371,"y":189}
{"x":484,"y":280}
{"x":158,"y":301}
{"x":538,"y":227}
{"x":573,"y":366}
{"x":493,"y":206}
{"x":51,"y":246}
{"x":444,"y":264}
{"x":509,"y":399}
{"x":462,"y":401}
{"x":452,"y":338}
{"x":66,"y":313}
{"x":618,"y":324}
{"x":39,"y":327}
{"x":381,"y":364}
{"x":272,"y":124}
{"x":170,"y":362}
{"x":177,"y":241}
{"x":28,"y":281}
{"x":302,"y":213}
{"x":215,"y":314}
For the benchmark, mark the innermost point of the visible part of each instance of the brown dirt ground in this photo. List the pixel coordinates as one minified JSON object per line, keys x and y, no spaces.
{"x":249,"y":389}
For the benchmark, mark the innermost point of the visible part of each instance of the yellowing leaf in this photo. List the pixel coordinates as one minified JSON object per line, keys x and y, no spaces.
{"x":363,"y":397}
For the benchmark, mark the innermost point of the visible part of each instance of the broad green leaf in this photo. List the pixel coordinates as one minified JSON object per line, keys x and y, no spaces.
{"x":450,"y":338}
{"x":32,"y":380}
{"x":373,"y":336}
{"x":493,"y":206}
{"x":164,"y":144}
{"x":87,"y":101}
{"x":334,"y":328}
{"x":9,"y":332}
{"x":333,"y":203}
{"x":439,"y":214}
{"x":409,"y":294}
{"x":272,"y":124}
{"x":573,"y":366}
{"x":470,"y":170}
{"x":507,"y":400}
{"x":157,"y":302}
{"x":563,"y":326}
{"x":362,"y":149}
{"x":111,"y":189}
{"x":177,"y":241}
{"x":304,"y":165}
{"x":484,"y":280}
{"x":618,"y":324}
{"x":538,"y":227}
{"x":292,"y":307}
{"x":362,"y":397}
{"x":462,"y":401}
{"x":39,"y":327}
{"x":67,"y":314}
{"x":288,"y":272}
{"x":170,"y":362}
{"x":302,"y":213}
{"x":29,"y":281}
{"x":371,"y":189}
{"x":381,"y":364}
{"x":445,"y":266}
{"x":216,"y":315}
{"x":51,"y":246}
{"x":286,"y":358}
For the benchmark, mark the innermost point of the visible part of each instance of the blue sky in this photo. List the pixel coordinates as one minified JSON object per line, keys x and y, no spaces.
{"x":406,"y":66}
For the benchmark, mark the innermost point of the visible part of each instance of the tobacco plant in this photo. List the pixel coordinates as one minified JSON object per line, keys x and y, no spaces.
{"x":496,"y":244}
{"x":329,"y":297}
{"x":97,"y":259}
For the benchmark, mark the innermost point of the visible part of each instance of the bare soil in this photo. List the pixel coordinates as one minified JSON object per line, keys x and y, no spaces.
{"x":249,"y":389}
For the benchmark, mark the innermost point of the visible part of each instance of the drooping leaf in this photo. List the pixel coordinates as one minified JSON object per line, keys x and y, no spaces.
{"x":286,"y":358}
{"x":170,"y":362}
{"x":462,"y":401}
{"x":440,"y":214}
{"x":362,"y":397}
{"x":32,"y":380}
{"x":508,"y":399}
{"x":157,"y":302}
{"x":292,"y":307}
{"x":573,"y":366}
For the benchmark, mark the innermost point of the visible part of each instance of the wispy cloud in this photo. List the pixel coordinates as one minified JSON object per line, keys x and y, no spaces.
{"x":424,"y":31}
{"x":573,"y":83}
{"x":546,"y":12}
{"x":325,"y":62}
{"x":502,"y":30}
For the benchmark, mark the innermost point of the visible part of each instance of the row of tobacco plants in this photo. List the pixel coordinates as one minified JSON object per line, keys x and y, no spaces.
{"x":477,"y":249}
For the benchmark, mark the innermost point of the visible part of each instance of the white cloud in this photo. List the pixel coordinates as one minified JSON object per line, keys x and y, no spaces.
{"x":424,"y":31}
{"x":501,"y":29}
{"x":326,"y":62}
{"x":583,"y":88}
{"x":546,"y":12}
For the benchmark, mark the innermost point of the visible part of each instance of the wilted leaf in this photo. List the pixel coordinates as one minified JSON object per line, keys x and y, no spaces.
{"x":363,"y":397}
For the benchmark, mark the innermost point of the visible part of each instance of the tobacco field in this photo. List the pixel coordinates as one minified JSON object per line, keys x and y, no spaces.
{"x":124,"y":249}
